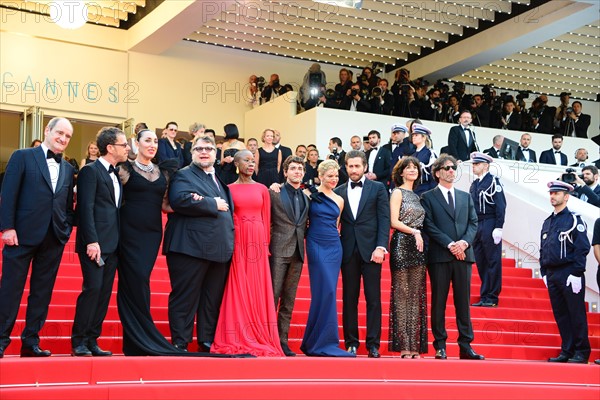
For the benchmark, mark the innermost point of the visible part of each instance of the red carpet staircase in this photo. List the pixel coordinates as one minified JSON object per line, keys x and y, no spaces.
{"x":521,"y":329}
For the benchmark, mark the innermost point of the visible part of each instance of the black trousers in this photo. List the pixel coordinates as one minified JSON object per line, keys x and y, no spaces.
{"x":440,"y":275}
{"x":285,"y":274}
{"x":92,"y":303}
{"x":197,"y":286}
{"x":351,"y":277}
{"x":569,"y":313}
{"x":44,"y":260}
{"x":488,"y":257}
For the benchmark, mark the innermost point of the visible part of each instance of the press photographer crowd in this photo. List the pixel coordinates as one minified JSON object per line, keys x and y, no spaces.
{"x":420,"y":99}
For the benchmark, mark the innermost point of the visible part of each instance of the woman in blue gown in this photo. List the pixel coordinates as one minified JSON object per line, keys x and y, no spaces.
{"x":324,"y":252}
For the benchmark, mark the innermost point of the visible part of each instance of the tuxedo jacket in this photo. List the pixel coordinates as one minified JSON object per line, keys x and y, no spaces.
{"x":581,"y":125}
{"x":514,"y":123}
{"x":521,"y":157}
{"x":492,"y":152}
{"x":547,"y":157}
{"x":97,"y":211}
{"x":382,"y":165}
{"x":457,"y":144}
{"x":371,"y":227}
{"x":194,"y":222}
{"x":27,"y":202}
{"x":287,"y":233}
{"x":444,"y":226}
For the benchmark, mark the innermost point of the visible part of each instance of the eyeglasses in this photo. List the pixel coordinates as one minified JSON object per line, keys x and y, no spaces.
{"x":449,"y":167}
{"x":120,"y":144}
{"x":201,"y":149}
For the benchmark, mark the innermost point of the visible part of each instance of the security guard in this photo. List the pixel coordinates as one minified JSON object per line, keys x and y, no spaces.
{"x":563,"y":250}
{"x":490,"y":204}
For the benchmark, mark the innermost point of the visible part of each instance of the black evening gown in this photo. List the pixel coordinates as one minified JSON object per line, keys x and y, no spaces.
{"x":228,"y":171}
{"x":267,"y":171}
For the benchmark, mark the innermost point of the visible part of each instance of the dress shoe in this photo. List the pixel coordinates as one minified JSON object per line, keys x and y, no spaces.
{"x":374,"y":353}
{"x":441,"y":354}
{"x":34,"y":351}
{"x":98,"y":352}
{"x":287,"y":351}
{"x":470,"y":355}
{"x":489,"y":304}
{"x":352,"y":350}
{"x":560,"y":359}
{"x":81,"y":351}
{"x":180,"y":346}
{"x":577,"y":359}
{"x":204,"y":347}
{"x":478,"y":304}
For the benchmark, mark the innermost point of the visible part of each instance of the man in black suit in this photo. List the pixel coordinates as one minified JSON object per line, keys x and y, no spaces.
{"x":198,"y":268}
{"x":36,"y":218}
{"x":365,"y":233}
{"x":379,"y":160}
{"x":289,"y":213}
{"x":451,"y":224}
{"x":99,"y":194}
{"x":543,"y":116}
{"x":575,"y":123}
{"x":524,"y":153}
{"x":495,"y":150}
{"x":461,"y":138}
{"x":581,"y":157}
{"x":339,"y":155}
{"x":554,"y":155}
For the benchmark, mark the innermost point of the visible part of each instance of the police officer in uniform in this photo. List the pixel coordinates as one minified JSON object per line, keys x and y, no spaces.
{"x":490,"y":205}
{"x":563,"y":250}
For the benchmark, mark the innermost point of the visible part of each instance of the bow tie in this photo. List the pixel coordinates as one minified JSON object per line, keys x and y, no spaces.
{"x":113,"y":170}
{"x":557,"y":152}
{"x":57,"y":157}
{"x":524,"y":149}
{"x":355,"y":184}
{"x":374,"y":148}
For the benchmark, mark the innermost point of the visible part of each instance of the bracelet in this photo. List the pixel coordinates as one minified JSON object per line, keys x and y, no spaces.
{"x":415,"y":231}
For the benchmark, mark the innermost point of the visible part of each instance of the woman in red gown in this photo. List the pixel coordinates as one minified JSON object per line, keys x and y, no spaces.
{"x":247,"y":321}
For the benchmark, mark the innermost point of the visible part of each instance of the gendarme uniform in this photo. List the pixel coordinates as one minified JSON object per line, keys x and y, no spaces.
{"x":564,"y":246}
{"x":490,"y":204}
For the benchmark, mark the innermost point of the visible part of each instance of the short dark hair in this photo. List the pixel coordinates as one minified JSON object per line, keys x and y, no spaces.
{"x":591,"y":168}
{"x":171,"y":123}
{"x":401,"y":166}
{"x":336,"y":140}
{"x":383,"y":79}
{"x":356,"y":153}
{"x":439,"y":164}
{"x":208,"y":130}
{"x":205,"y":139}
{"x":577,"y":102}
{"x":557,"y":136}
{"x":35,"y":141}
{"x":374,"y":132}
{"x":292,"y":159}
{"x":107,"y":135}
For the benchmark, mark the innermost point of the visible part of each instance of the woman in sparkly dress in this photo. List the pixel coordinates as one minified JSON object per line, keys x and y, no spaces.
{"x":408,"y":305}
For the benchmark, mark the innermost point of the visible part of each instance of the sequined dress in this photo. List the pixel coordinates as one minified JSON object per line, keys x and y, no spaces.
{"x":408,"y":305}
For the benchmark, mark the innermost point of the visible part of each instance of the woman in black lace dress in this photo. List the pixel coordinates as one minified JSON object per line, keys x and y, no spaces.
{"x":408,"y":305}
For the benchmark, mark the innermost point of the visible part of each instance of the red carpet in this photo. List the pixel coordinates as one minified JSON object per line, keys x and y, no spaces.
{"x":521,"y":329}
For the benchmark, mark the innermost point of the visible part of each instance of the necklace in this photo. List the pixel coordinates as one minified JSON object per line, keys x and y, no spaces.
{"x":144,"y":168}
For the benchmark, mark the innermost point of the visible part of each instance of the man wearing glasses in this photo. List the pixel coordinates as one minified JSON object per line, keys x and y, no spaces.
{"x":198,"y":244}
{"x":99,"y":194}
{"x":451,"y":224}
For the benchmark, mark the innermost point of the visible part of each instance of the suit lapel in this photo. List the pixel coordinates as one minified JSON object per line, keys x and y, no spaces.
{"x":366,"y":191}
{"x":287,"y":203}
{"x":40,"y":159}
{"x":444,"y":203}
{"x":105,"y":176}
{"x":206,"y":180}
{"x":343,"y":191}
{"x":62,"y":174}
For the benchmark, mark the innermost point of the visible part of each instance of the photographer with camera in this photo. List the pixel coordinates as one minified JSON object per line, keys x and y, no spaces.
{"x":382,"y":100}
{"x":586,"y":184}
{"x":368,"y":79}
{"x":510,"y":119}
{"x":255,"y":86}
{"x":574,"y":123}
{"x":480,"y":111}
{"x":404,"y":95}
{"x":452,"y":110}
{"x":561,"y":110}
{"x":312,"y":91}
{"x":273,"y":89}
{"x":343,"y":88}
{"x":542,"y":117}
{"x":339,"y":155}
{"x":356,"y":100}
{"x":432,"y":109}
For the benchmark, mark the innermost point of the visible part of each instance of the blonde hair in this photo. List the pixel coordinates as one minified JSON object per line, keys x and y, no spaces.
{"x":262,"y":137}
{"x":87,"y":151}
{"x":326,"y":166}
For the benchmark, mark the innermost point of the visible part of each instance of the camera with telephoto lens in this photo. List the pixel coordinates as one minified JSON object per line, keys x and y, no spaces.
{"x":376,"y":92}
{"x":260,"y":83}
{"x":354,"y":92}
{"x":569,"y":176}
{"x":569,"y":110}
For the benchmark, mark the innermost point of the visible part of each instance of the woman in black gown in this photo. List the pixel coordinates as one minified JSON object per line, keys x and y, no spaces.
{"x":144,"y":187}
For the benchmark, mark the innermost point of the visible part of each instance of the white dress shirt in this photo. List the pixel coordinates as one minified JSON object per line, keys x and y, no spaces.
{"x":114,"y":178}
{"x":53,"y":167}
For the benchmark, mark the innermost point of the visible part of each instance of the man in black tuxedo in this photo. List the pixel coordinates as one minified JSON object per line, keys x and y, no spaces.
{"x":461,"y":138}
{"x":451,"y":224}
{"x":581,"y":157}
{"x":365,"y":233}
{"x":289,"y":213}
{"x":36,"y":218}
{"x":495,"y":150}
{"x":554,"y":155}
{"x":198,"y":268}
{"x":339,"y":155}
{"x":524,"y":153}
{"x":99,"y":194}
{"x":379,"y":160}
